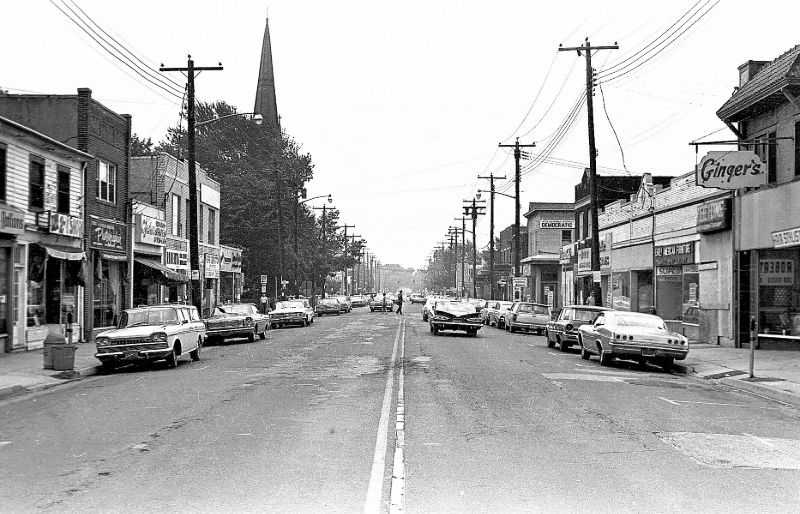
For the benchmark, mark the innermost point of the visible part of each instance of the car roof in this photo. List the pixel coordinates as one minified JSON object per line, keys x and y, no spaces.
{"x":587,"y":307}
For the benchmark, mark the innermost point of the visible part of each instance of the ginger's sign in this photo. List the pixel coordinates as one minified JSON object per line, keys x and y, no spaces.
{"x":731,"y":170}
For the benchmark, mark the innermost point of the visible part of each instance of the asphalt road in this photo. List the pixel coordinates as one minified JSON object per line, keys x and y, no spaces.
{"x":357,"y":412}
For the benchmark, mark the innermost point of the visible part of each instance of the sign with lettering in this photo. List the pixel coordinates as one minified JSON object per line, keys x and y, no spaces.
{"x":149,"y":230}
{"x":231,"y":260}
{"x":558,"y":224}
{"x":565,"y":256}
{"x":66,"y":225}
{"x":11,"y":221}
{"x":177,"y":260}
{"x":714,"y":215}
{"x":605,"y":252}
{"x":786,"y":238}
{"x":520,"y":282}
{"x":675,"y":254}
{"x":731,"y":170}
{"x":212,"y":266}
{"x":776,"y":272}
{"x":107,"y":235}
{"x":584,"y":262}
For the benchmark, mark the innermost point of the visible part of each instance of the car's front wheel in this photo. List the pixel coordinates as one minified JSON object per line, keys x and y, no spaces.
{"x":172,"y":358}
{"x":195,"y":354}
{"x":562,"y":346}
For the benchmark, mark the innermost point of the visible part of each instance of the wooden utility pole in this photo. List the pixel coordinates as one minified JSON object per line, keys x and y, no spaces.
{"x":472,"y":210}
{"x":491,"y":179}
{"x":586,"y":50}
{"x":463,"y":220}
{"x":517,"y":246}
{"x":324,"y":239}
{"x":344,"y":252}
{"x":194,"y":246}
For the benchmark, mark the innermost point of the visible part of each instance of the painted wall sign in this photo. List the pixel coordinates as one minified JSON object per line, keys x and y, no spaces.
{"x":731,"y":170}
{"x":66,"y":225}
{"x":151,"y":230}
{"x":784,"y":238}
{"x":209,"y":196}
{"x":11,"y":221}
{"x":776,"y":272}
{"x":566,"y":254}
{"x":714,"y":215}
{"x":675,"y":254}
{"x":605,"y":252}
{"x":558,"y":224}
{"x":106,"y":235}
{"x":211,"y":266}
{"x":584,"y":262}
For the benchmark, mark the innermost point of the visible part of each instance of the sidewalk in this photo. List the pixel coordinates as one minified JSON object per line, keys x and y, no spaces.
{"x":22,"y":372}
{"x":776,"y":373}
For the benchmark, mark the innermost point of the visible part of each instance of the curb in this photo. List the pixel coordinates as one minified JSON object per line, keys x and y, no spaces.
{"x":18,"y":390}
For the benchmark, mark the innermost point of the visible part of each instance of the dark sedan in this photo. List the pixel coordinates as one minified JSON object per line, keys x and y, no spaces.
{"x":563,"y":331}
{"x":328,"y":306}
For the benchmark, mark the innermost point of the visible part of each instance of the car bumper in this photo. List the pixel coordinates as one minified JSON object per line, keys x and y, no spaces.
{"x":629,"y":350}
{"x":529,"y":326}
{"x":230,"y":332}
{"x":112,"y":355}
{"x":289,"y":321}
{"x":456,"y":325}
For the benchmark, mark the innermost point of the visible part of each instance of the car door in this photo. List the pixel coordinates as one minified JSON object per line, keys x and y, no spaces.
{"x":524,"y":313}
{"x":591,"y":332}
{"x":195,"y":325}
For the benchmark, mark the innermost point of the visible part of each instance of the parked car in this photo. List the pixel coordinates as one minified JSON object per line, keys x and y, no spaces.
{"x":528,"y":316}
{"x":485,"y":312}
{"x":292,"y":312}
{"x":478,"y":303}
{"x":494,"y":312}
{"x":222,"y":325}
{"x":503,"y":314}
{"x":454,"y":315}
{"x":417,"y":298}
{"x":427,"y":309}
{"x":328,"y":306}
{"x":260,"y":320}
{"x":151,"y":333}
{"x":359,"y":300}
{"x":631,"y":335}
{"x":344,"y":303}
{"x":379,"y":303}
{"x":563,"y":331}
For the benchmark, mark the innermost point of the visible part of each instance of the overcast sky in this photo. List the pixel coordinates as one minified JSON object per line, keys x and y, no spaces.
{"x":402,"y":104}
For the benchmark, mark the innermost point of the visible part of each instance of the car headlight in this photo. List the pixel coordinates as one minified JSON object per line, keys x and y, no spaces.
{"x":440,"y":318}
{"x":568,"y":327}
{"x":102,"y":341}
{"x":157,"y":337}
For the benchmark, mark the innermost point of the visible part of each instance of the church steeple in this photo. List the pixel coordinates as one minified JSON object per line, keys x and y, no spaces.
{"x":266,"y":105}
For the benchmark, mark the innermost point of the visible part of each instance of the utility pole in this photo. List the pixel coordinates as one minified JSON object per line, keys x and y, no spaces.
{"x":452,"y":232}
{"x":463,"y":220}
{"x":352,"y":245}
{"x":517,"y":154}
{"x":586,"y":50}
{"x":194,"y":246}
{"x":491,"y":179}
{"x":324,"y":238}
{"x":472,"y":209}
{"x":344,"y":252}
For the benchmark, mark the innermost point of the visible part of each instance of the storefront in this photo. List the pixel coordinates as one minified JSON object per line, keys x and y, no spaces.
{"x":678,"y":286}
{"x":209,"y":270}
{"x":109,"y":271}
{"x":12,"y":224}
{"x":567,"y":260}
{"x":230,"y":269}
{"x":149,"y":240}
{"x":631,"y":278}
{"x":583,"y":283}
{"x":176,"y":258}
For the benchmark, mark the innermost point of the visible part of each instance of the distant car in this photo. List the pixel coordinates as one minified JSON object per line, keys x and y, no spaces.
{"x":563,"y":331}
{"x":151,"y":333}
{"x":292,"y":312}
{"x":260,"y":321}
{"x":478,"y":303}
{"x":379,"y":303}
{"x":358,"y":300}
{"x":345,"y":303}
{"x":493,"y":312}
{"x":454,"y":315}
{"x":417,"y":298}
{"x":528,"y":316}
{"x":328,"y":306}
{"x":485,"y":313}
{"x":631,"y":335}
{"x":228,"y":324}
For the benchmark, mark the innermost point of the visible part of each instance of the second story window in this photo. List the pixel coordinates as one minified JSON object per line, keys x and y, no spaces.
{"x":176,"y":215}
{"x":212,"y":226}
{"x":566,"y":237}
{"x":62,"y":201}
{"x":3,"y":169}
{"x":106,"y":181}
{"x":36,"y":183}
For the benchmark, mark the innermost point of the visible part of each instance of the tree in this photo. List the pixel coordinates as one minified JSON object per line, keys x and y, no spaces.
{"x":141,"y":146}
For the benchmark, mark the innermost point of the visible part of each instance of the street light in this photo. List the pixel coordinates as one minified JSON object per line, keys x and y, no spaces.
{"x":256,"y":118}
{"x":296,"y":238}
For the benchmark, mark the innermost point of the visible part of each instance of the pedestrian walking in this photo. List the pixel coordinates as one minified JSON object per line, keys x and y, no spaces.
{"x":590,"y":299}
{"x":400,"y":302}
{"x":383,"y":303}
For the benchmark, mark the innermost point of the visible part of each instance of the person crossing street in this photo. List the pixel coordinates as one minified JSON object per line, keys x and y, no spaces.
{"x":400,"y":302}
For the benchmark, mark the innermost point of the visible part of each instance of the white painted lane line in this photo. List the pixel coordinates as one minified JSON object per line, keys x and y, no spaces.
{"x":554,"y":354}
{"x":372,"y":504}
{"x":582,"y":376}
{"x":678,"y":402}
{"x":668,"y":401}
{"x":398,"y":487}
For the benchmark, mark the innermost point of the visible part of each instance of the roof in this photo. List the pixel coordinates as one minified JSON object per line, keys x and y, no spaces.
{"x":764,"y":89}
{"x":541,"y":257}
{"x":549,"y":206}
{"x":81,"y":155}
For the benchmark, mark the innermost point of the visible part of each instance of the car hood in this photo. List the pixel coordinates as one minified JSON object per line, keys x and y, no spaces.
{"x":133,"y":332}
{"x":287,"y":311}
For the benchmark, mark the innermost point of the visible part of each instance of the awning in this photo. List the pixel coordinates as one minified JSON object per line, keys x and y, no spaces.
{"x":114,"y":256}
{"x":63,"y":252}
{"x":168,"y":275}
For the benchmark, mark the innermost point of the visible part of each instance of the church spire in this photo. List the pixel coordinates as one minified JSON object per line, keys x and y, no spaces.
{"x":266,"y":105}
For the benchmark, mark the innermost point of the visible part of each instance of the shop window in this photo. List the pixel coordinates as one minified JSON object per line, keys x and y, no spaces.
{"x":566,"y":237}
{"x":107,"y":282}
{"x":106,"y":181}
{"x":779,"y":292}
{"x":690,"y":308}
{"x":621,"y":291}
{"x":3,"y":168}
{"x":36,"y":184}
{"x":212,"y":226}
{"x":644,"y":285}
{"x":62,"y":200}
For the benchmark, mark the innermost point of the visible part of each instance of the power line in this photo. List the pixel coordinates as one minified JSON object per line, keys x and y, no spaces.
{"x":621,"y":151}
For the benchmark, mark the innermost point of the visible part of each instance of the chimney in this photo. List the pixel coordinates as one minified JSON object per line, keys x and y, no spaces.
{"x":749,"y":70}
{"x":84,"y":97}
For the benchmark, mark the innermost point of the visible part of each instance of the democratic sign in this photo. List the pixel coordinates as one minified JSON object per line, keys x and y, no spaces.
{"x":731,"y":170}
{"x":558,"y":224}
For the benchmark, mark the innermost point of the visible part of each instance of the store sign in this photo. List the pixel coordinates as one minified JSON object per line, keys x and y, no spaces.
{"x":212,"y":266}
{"x":786,"y":238}
{"x":584,"y":261}
{"x":558,"y":224}
{"x":731,"y":170}
{"x":231,"y":260}
{"x":667,"y":271}
{"x":175,"y":259}
{"x":776,"y":272}
{"x":152,"y":231}
{"x":714,"y":215}
{"x":11,"y":221}
{"x":605,"y":252}
{"x":676,"y":254}
{"x":520,"y":282}
{"x":107,"y":235}
{"x":66,"y":225}
{"x":566,"y":254}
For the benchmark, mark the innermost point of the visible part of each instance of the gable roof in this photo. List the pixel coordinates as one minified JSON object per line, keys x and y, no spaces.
{"x":764,"y":89}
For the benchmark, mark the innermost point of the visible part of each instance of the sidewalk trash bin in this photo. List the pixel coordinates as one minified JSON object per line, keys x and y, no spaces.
{"x":49,"y":342}
{"x":63,"y":357}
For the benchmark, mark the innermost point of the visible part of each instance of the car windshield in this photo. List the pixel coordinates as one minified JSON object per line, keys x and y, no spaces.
{"x":582,"y":315}
{"x":162,"y":316}
{"x":329,"y":301}
{"x":239,"y":309}
{"x":289,"y":305}
{"x":505,"y":305}
{"x":622,"y":320}
{"x":455,"y":307}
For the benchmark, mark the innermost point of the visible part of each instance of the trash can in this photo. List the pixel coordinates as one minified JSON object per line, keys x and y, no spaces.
{"x":63,"y":356}
{"x":49,"y":342}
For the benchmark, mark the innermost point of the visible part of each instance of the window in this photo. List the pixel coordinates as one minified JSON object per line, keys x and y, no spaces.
{"x":200,"y":230}
{"x":566,"y":237}
{"x":176,"y":215}
{"x":36,"y":182}
{"x":212,"y":225}
{"x":797,"y":149}
{"x":772,"y":163}
{"x":106,"y":181}
{"x":62,"y":201}
{"x":2,"y":172}
{"x":579,"y":234}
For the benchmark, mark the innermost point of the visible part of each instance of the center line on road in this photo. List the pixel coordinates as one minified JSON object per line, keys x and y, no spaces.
{"x":372,"y":504}
{"x":398,"y":487}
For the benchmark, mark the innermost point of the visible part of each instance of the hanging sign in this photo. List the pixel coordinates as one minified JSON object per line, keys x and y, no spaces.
{"x":584,"y":261}
{"x":731,"y":170}
{"x":66,"y":225}
{"x":106,"y":235}
{"x":151,"y":230}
